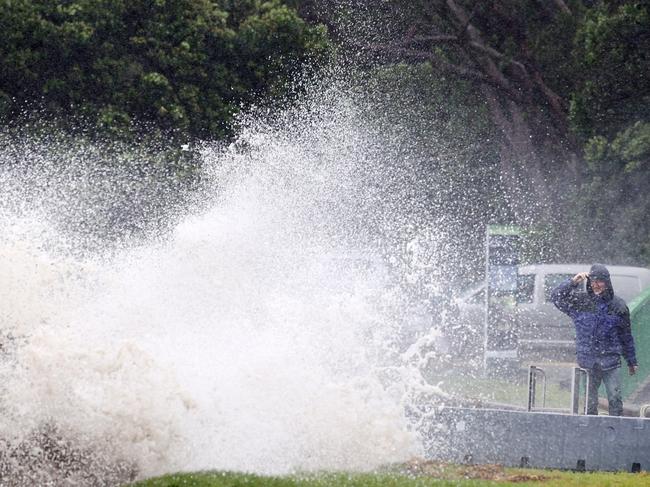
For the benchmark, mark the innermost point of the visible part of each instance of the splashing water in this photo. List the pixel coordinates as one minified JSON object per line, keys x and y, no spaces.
{"x":258,"y":334}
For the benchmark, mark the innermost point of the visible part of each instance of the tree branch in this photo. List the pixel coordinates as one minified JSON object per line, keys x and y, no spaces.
{"x":563,"y":6}
{"x":474,"y":35}
{"x":404,"y":52}
{"x":494,"y":53}
{"x":452,"y":39}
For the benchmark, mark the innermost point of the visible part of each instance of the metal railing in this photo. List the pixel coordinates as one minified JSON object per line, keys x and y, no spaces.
{"x":643,"y":411}
{"x":533,"y":371}
{"x":578,"y":378}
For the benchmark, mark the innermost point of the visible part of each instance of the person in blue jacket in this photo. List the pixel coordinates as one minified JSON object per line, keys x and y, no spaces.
{"x":603,"y":333}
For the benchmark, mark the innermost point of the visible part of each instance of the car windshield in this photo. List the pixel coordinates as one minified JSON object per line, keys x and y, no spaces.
{"x":627,"y":287}
{"x":624,"y":286}
{"x":525,"y":291}
{"x":551,"y":281}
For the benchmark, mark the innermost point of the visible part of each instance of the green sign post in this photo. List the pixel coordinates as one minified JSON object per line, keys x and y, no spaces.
{"x":500,"y":327}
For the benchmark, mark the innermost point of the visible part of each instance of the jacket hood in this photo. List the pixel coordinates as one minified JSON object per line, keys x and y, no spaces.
{"x":600,"y":272}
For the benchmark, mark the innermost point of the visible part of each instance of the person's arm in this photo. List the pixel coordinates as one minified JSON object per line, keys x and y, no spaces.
{"x":619,"y":308}
{"x":563,"y":296}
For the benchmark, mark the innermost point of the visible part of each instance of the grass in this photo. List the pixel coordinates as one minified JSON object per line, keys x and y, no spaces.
{"x":429,"y":474}
{"x":500,"y":391}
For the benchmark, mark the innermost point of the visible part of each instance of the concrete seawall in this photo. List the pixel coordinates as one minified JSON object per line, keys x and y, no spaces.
{"x":538,"y":439}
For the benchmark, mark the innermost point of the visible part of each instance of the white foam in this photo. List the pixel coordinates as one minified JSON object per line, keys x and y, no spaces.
{"x":248,"y":339}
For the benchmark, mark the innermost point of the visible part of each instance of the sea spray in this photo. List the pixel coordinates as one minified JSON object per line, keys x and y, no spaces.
{"x":260,"y":331}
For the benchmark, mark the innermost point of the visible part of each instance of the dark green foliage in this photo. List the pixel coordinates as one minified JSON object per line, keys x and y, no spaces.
{"x":613,"y":195}
{"x":552,"y":42}
{"x":186,"y":65}
{"x":610,"y":110}
{"x":568,"y":81}
{"x":612,"y":51}
{"x":570,"y":92}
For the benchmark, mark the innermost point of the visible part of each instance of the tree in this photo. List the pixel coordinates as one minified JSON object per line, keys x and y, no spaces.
{"x":610,"y":112}
{"x":504,"y":48}
{"x":567,"y":90}
{"x":611,"y":51}
{"x":183,"y":65}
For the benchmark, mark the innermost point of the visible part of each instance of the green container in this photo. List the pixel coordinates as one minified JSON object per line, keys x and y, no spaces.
{"x":640,"y":318}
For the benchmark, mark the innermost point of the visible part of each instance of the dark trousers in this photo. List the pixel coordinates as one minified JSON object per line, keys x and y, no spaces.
{"x":612,"y":380}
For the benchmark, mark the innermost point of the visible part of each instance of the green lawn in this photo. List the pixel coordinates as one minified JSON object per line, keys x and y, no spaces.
{"x":500,"y":391}
{"x":423,"y":475}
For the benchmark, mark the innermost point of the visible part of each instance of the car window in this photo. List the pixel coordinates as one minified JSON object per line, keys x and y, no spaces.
{"x":525,"y":288}
{"x":525,"y":291}
{"x":627,"y":287}
{"x":551,"y":281}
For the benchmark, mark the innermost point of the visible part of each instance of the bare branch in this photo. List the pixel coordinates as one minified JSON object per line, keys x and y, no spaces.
{"x":552,"y":6}
{"x":474,"y":35}
{"x":494,"y":53}
{"x":554,"y":101}
{"x":469,"y":18}
{"x":563,"y":6}
{"x":402,"y":52}
{"x":437,"y":39}
{"x":443,"y":65}
{"x":459,"y":12}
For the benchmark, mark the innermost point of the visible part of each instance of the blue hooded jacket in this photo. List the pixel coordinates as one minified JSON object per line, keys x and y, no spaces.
{"x":603,"y":330}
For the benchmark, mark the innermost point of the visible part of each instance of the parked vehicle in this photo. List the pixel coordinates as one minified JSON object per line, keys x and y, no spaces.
{"x":541,"y":328}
